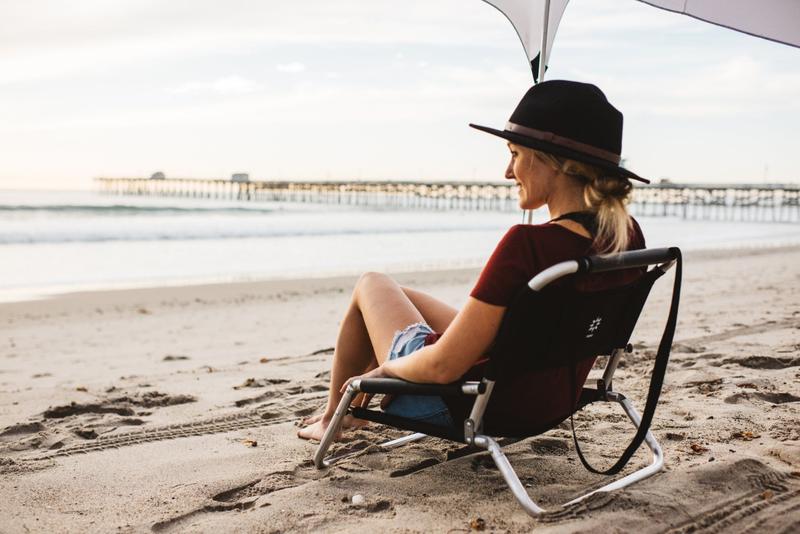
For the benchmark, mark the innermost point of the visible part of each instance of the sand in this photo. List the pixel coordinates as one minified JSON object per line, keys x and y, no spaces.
{"x":175,"y":409}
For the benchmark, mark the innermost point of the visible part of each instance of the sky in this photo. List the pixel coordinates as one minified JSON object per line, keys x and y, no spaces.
{"x":369,"y":90}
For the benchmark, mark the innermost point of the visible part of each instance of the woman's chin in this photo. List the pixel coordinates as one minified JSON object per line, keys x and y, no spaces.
{"x":529,"y":204}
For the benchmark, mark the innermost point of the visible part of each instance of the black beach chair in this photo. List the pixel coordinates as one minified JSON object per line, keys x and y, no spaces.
{"x":559,"y":325}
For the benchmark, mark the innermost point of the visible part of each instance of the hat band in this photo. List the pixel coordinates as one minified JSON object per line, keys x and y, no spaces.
{"x":565,"y":142}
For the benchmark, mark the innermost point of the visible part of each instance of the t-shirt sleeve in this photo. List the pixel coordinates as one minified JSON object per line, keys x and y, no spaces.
{"x":507,"y":270}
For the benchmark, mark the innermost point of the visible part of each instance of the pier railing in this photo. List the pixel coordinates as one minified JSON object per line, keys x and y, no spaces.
{"x":745,"y":202}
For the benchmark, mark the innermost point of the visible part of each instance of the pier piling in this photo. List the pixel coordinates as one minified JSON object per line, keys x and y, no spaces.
{"x":731,"y":202}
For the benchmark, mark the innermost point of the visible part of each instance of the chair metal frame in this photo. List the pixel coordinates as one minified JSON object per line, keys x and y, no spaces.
{"x":482,"y":390}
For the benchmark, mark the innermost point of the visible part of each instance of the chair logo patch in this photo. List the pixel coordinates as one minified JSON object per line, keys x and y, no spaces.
{"x":594,"y":326}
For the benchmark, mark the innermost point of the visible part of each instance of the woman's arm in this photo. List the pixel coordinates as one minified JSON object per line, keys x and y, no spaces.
{"x":464,"y":342}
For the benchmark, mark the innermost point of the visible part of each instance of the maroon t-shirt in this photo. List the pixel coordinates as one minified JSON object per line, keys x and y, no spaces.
{"x":542,"y":397}
{"x":527,"y":249}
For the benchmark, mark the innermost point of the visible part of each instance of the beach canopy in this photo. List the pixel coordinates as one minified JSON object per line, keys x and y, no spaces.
{"x":536,"y":21}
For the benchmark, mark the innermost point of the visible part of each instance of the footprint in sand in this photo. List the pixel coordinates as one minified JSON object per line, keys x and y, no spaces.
{"x":545,"y":446}
{"x":768,"y":396}
{"x":122,"y":405}
{"x":242,"y":497}
{"x":764,"y":362}
{"x":174,"y":357}
{"x":66,"y":427}
{"x":17,"y":431}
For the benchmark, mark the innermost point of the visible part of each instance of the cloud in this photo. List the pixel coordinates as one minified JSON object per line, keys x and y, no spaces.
{"x":739,"y":86}
{"x":229,"y":85}
{"x":293,"y":68}
{"x":46,"y":40}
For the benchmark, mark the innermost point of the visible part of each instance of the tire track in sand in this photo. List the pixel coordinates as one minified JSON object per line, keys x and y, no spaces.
{"x":271,"y":414}
{"x":773,"y":496}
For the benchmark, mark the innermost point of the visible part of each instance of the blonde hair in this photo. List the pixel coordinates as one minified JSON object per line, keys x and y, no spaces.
{"x":605,"y":194}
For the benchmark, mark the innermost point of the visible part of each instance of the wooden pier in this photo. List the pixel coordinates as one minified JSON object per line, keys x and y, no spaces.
{"x":740,"y":202}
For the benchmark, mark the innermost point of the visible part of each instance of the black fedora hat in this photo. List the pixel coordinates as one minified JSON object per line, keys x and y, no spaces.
{"x":569,"y":119}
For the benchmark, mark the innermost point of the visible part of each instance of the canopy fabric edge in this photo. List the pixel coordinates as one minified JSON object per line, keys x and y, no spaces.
{"x":721,"y":25}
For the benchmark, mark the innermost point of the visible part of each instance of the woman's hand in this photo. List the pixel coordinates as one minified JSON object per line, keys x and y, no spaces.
{"x":378,"y":372}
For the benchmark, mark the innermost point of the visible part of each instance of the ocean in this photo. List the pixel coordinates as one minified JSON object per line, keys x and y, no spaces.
{"x":53,"y":242}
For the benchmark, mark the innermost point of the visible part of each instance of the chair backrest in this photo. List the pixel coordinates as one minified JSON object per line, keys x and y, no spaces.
{"x":562,"y":325}
{"x":557,"y":326}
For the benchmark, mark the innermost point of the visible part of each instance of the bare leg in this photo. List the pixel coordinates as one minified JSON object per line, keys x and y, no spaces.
{"x":361,"y":400}
{"x":379,"y":307}
{"x":437,"y":314}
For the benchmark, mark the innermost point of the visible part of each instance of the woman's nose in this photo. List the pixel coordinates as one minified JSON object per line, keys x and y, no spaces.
{"x":510,"y":171}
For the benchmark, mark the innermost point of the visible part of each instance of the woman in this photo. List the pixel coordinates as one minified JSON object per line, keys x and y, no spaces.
{"x":565,"y":141}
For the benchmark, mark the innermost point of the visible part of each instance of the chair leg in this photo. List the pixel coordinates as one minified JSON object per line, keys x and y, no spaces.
{"x":519,"y":492}
{"x":402,"y":440}
{"x":336,"y":422}
{"x":655,"y":465}
{"x":509,"y":474}
{"x":321,"y":461}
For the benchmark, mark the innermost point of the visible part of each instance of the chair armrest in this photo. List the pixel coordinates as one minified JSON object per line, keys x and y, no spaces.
{"x":629,"y":259}
{"x":606,"y":262}
{"x":395,"y":386}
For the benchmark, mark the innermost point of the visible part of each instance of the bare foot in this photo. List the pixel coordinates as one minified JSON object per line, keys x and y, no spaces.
{"x":315,"y":431}
{"x":351,"y":423}
{"x":315,"y":427}
{"x":312,"y":419}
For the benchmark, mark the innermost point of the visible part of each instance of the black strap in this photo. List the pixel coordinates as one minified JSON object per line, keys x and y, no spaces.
{"x":587,"y":219}
{"x":656,"y":381}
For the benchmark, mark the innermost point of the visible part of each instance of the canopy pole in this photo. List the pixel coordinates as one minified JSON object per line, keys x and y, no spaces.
{"x":527,"y":215}
{"x":543,"y":49}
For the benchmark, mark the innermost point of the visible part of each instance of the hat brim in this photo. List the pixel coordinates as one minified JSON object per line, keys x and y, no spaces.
{"x":558,"y":150}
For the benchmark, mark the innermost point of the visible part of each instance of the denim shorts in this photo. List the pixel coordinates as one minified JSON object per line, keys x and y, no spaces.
{"x":419,"y":407}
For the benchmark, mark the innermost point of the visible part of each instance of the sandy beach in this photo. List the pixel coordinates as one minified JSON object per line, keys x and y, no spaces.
{"x":175,"y":409}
